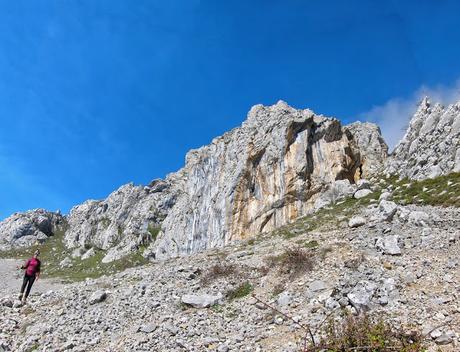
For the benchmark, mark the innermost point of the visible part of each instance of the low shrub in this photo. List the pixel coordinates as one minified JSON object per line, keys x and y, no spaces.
{"x":293,"y":262}
{"x":218,"y":271}
{"x":366,"y":334}
{"x":241,"y":291}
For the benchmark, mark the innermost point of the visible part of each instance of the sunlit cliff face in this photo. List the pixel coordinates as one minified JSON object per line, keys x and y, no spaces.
{"x":258,"y":177}
{"x":275,"y":192}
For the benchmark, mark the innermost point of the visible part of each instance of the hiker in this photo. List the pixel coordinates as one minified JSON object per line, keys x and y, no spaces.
{"x":32,"y":273}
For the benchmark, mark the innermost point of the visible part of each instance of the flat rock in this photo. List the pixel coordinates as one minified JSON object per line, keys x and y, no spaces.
{"x":356,"y":221}
{"x":97,"y":297}
{"x":317,"y":285}
{"x":362,"y":193}
{"x":148,"y":328}
{"x":284,"y":299}
{"x":201,"y":301}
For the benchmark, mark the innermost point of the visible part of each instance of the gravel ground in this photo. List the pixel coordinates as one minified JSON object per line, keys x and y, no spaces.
{"x":11,"y":279}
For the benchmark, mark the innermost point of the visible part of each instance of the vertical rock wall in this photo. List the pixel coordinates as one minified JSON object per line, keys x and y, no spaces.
{"x":255,"y":178}
{"x":260,"y":176}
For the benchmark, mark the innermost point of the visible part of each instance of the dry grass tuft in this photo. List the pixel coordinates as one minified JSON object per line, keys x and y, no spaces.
{"x":293,"y":262}
{"x":217,"y":272}
{"x":362,"y":333}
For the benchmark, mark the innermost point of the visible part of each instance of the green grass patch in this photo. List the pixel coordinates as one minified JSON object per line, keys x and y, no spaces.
{"x":241,"y":291}
{"x":440,"y":191}
{"x":311,"y":244}
{"x":326,"y":218}
{"x":93,"y":266}
{"x":154,"y":231}
{"x":53,"y":252}
{"x":217,"y":308}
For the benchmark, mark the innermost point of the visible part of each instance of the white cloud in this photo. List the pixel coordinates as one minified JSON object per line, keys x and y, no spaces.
{"x":394,"y":116}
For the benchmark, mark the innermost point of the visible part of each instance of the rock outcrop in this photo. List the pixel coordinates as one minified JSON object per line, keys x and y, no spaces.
{"x":127,"y":219}
{"x":431,"y":144}
{"x":29,"y":228}
{"x":262,"y":175}
{"x":280,"y":164}
{"x":372,"y":147}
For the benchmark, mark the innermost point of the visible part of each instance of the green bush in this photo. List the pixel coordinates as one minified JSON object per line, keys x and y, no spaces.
{"x":241,"y":291}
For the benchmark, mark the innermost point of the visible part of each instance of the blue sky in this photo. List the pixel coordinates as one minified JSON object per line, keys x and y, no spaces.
{"x":95,"y":94}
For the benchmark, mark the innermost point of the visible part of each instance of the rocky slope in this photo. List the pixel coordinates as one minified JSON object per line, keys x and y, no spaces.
{"x":281,"y":163}
{"x":29,"y":228}
{"x":431,"y":145}
{"x":398,"y":261}
{"x":363,"y":246}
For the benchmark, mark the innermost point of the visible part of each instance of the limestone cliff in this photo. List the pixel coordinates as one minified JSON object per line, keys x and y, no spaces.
{"x":262,"y":175}
{"x":257,"y":177}
{"x":431,"y":144}
{"x":373,"y":149}
{"x":121,"y":223}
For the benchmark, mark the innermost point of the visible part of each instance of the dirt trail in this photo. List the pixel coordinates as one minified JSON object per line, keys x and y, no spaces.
{"x":11,"y":279}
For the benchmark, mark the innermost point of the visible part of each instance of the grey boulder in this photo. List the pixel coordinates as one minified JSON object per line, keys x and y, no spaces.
{"x":201,"y":301}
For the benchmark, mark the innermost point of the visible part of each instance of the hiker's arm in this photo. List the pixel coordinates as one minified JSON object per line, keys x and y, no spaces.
{"x":24,"y":266}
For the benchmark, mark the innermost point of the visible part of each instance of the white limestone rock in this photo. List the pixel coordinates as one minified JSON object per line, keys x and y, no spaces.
{"x":356,"y":221}
{"x":202,"y":301}
{"x":385,"y":195}
{"x":386,"y":210}
{"x":88,"y":254}
{"x":97,"y":297}
{"x":361,"y":193}
{"x":29,"y":228}
{"x":361,"y":295}
{"x":388,"y":245}
{"x":431,"y":144}
{"x":372,"y":148}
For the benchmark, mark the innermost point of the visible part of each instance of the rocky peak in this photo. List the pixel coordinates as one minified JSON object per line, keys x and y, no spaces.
{"x":122,"y":222}
{"x":262,"y":175}
{"x":29,"y":228}
{"x":430,"y":146}
{"x":257,"y":177}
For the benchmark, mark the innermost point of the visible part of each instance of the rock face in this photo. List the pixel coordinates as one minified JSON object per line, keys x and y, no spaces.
{"x":431,"y":144}
{"x":26,"y":229}
{"x":370,"y":142}
{"x":280,"y":164}
{"x":128,"y":218}
{"x":262,"y":175}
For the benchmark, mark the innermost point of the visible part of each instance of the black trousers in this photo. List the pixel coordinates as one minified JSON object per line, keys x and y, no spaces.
{"x":28,"y":281}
